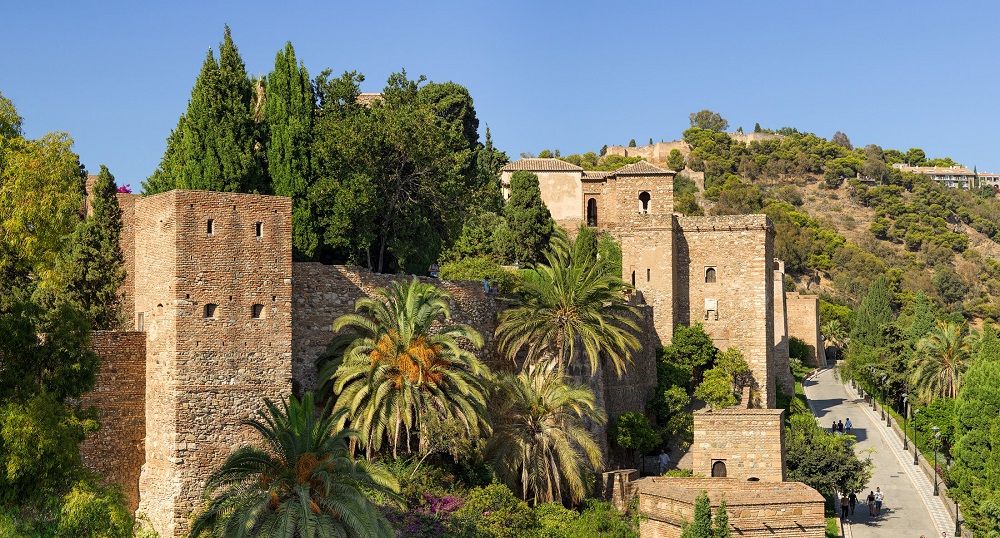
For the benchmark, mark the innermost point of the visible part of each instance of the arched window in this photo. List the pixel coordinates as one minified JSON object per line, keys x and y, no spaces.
{"x":210,"y":309}
{"x":643,"y":202}
{"x":592,"y":212}
{"x":710,"y":275}
{"x":719,"y":469}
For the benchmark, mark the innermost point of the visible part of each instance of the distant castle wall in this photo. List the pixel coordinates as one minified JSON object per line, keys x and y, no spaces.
{"x":803,"y":323}
{"x":117,"y":450}
{"x":656,"y":153}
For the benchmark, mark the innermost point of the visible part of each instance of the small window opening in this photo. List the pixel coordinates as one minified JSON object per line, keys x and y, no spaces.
{"x":710,"y":275}
{"x":210,"y":309}
{"x":259,"y":229}
{"x":644,"y":202}
{"x":140,"y":321}
{"x":753,"y":479}
{"x":648,"y":274}
{"x":210,"y":227}
{"x":719,"y":469}
{"x":592,"y":212}
{"x":274,"y":298}
{"x":633,"y":279}
{"x":257,"y":311}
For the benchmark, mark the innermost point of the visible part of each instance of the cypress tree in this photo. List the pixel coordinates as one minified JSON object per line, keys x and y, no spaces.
{"x":288,"y":111}
{"x":923,"y":318}
{"x":215,"y":146}
{"x":90,"y":272}
{"x":701,"y":527}
{"x":875,"y":311}
{"x":528,"y":218}
{"x":722,"y":521}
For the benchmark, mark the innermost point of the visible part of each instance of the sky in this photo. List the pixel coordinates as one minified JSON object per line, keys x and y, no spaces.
{"x":571,"y":76}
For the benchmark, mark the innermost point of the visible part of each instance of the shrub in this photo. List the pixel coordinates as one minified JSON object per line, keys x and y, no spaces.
{"x":92,"y":511}
{"x":495,"y":512}
{"x":477,"y":268}
{"x":798,"y":349}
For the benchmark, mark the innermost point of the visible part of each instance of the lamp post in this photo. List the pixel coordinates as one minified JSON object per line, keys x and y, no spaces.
{"x":905,"y":447}
{"x":916,"y":450}
{"x":882,"y":387}
{"x":958,"y":523}
{"x":937,"y":436}
{"x":871,"y":370}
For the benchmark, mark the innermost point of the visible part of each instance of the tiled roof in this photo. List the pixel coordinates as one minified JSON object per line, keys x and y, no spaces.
{"x":641,"y":168}
{"x":595,"y":175}
{"x":541,"y":165}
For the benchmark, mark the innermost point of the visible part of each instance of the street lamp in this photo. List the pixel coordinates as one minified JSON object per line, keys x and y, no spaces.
{"x":958,"y":523}
{"x":937,"y":436}
{"x":905,"y":446}
{"x":882,"y":386}
{"x":871,"y":370}
{"x":916,"y":450}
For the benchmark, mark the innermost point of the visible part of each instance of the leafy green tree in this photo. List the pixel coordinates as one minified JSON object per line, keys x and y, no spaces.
{"x":941,"y":359}
{"x":214,"y":146}
{"x":528,"y":218}
{"x":841,"y":140}
{"x":302,"y":482}
{"x":495,"y":511}
{"x":540,"y":445}
{"x":915,"y":157}
{"x":675,"y":160}
{"x":10,"y":120}
{"x":875,"y":311}
{"x":686,"y":204}
{"x":701,"y":527}
{"x":609,"y":252}
{"x":397,"y":369}
{"x":569,"y":304}
{"x":478,"y":268}
{"x":94,"y":511}
{"x":632,"y":431}
{"x":631,"y":143}
{"x":89,"y":271}
{"x":822,"y":460}
{"x":724,"y":381}
{"x":706,"y":119}
{"x":289,"y":110}
{"x":545,"y":154}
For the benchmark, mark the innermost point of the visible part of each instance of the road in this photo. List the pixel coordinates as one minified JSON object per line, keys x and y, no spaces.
{"x":909,"y":510}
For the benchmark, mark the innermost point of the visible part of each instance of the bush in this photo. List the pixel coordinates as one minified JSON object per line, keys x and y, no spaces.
{"x":477,"y":268}
{"x":92,"y":511}
{"x":494,"y":512}
{"x":798,"y":349}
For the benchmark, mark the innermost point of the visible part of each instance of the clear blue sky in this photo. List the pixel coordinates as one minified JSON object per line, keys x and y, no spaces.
{"x":566,"y":75}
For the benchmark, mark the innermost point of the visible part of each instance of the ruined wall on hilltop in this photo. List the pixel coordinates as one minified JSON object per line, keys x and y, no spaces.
{"x":725,"y":281}
{"x":117,"y":450}
{"x":655,"y":153}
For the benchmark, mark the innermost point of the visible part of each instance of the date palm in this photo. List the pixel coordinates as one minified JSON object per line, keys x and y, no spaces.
{"x":569,"y":301}
{"x":940,"y":361}
{"x":539,"y":445}
{"x":302,"y":483}
{"x":404,"y":363}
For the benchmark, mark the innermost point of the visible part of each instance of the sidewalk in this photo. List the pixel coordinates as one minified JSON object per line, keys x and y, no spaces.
{"x":910,"y":509}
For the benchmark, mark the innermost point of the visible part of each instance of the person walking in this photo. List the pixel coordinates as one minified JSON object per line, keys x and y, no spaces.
{"x":840,"y":426}
{"x":664,"y":461}
{"x":871,"y":503}
{"x":844,"y":506}
{"x":879,"y":497}
{"x":833,"y":427}
{"x":848,"y":426}
{"x":853,"y":498}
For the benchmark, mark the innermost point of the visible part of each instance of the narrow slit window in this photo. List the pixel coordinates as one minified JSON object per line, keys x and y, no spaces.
{"x":210,"y":227}
{"x":258,"y":229}
{"x":633,"y":279}
{"x":140,"y":321}
{"x":648,"y":275}
{"x":257,"y":311}
{"x":210,"y":310}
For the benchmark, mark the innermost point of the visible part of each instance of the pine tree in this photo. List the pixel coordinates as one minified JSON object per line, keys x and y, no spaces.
{"x":722,"y":521}
{"x":923,"y":318}
{"x":701,"y":527}
{"x":90,"y":272}
{"x":528,"y":218}
{"x":288,"y":110}
{"x":215,"y":145}
{"x":875,"y":311}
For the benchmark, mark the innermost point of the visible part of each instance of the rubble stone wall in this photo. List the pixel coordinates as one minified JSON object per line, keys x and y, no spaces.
{"x":803,"y":323}
{"x":749,"y":442}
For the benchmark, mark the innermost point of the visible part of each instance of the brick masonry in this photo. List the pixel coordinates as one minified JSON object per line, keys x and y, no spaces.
{"x":117,"y":450}
{"x":749,"y":443}
{"x":803,"y":323}
{"x":755,"y":509}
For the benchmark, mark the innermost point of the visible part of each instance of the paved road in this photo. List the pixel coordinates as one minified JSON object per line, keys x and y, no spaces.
{"x":909,"y":509}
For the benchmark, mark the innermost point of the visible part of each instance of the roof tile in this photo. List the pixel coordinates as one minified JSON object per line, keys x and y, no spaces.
{"x":541,"y":165}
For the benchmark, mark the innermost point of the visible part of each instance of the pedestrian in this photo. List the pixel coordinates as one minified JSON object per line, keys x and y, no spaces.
{"x":844,"y":506}
{"x":833,"y":427}
{"x":664,"y":461}
{"x":878,"y":501}
{"x":854,"y":500}
{"x":434,"y":270}
{"x":848,"y":426}
{"x":871,"y":503}
{"x":840,"y":426}
{"x":486,"y":285}
{"x":494,"y":287}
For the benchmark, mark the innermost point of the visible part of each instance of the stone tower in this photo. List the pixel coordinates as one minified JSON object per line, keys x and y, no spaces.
{"x":213,"y":286}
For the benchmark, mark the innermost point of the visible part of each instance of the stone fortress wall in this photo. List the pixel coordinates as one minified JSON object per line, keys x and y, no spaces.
{"x":803,"y":323}
{"x":659,"y":151}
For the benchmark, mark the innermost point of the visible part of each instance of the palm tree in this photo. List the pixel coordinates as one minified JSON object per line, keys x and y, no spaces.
{"x":302,"y":483}
{"x":539,"y":445}
{"x":941,"y":360}
{"x":396,"y":368}
{"x":567,"y":301}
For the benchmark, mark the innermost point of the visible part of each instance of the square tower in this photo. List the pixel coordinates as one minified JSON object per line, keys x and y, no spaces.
{"x":213,"y":281}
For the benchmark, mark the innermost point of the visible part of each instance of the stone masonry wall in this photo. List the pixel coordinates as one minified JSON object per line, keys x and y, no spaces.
{"x":656,"y":153}
{"x":209,"y":369}
{"x":803,"y":323}
{"x":127,"y":243}
{"x":740,"y":250}
{"x":748,"y":441}
{"x":117,"y":450}
{"x":783,"y":371}
{"x":755,"y":509}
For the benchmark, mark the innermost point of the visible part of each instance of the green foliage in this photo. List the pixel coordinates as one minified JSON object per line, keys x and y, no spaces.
{"x":631,"y":143}
{"x":706,"y":119}
{"x":687,"y":204}
{"x":585,"y":245}
{"x":798,"y":349}
{"x":610,"y":254}
{"x":10,"y":120}
{"x":721,"y":524}
{"x":528,"y":218}
{"x":302,"y":483}
{"x":478,"y":268}
{"x":396,"y":369}
{"x":494,"y":512}
{"x":214,"y":146}
{"x":93,"y":511}
{"x":701,"y":527}
{"x":941,"y":359}
{"x":632,"y":431}
{"x":822,"y":460}
{"x":722,"y":383}
{"x":874,"y":312}
{"x":675,"y":160}
{"x":540,"y":445}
